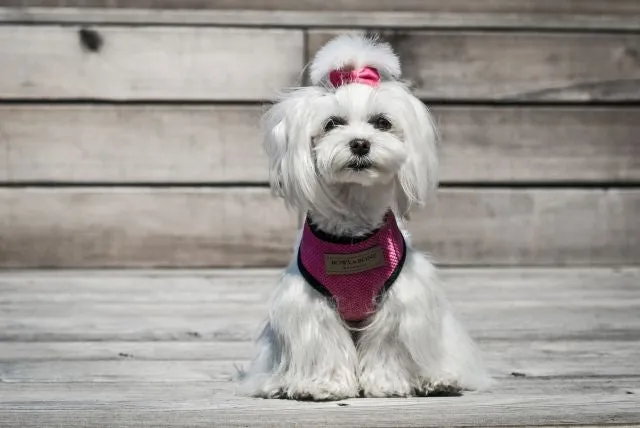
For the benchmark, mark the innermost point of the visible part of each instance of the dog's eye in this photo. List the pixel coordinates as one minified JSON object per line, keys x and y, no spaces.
{"x":380,"y":122}
{"x":334,"y":122}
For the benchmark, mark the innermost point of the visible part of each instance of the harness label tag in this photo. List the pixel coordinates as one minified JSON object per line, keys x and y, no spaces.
{"x":340,"y":264}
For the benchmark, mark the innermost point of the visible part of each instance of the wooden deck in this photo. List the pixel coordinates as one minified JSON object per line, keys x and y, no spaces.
{"x":144,"y":151}
{"x":159,"y":348}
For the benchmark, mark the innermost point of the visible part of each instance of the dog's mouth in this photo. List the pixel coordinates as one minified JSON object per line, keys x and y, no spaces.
{"x":360,"y":165}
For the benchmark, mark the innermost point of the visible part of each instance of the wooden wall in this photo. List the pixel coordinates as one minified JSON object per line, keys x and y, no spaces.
{"x":129,"y":128}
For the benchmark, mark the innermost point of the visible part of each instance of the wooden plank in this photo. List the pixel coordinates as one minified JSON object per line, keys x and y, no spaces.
{"x":590,"y":14}
{"x":497,"y":66}
{"x":540,"y":358}
{"x":172,"y":286}
{"x":227,"y":227}
{"x":130,"y":370}
{"x":136,"y":394}
{"x":212,"y":322}
{"x":616,"y":19}
{"x":553,"y":227}
{"x":201,"y":223}
{"x":620,"y":7}
{"x":522,"y":144}
{"x":621,"y":356}
{"x":117,"y":371}
{"x":516,"y":67}
{"x":148,"y":63}
{"x":132,"y":143}
{"x":124,"y":324}
{"x":473,"y":409}
{"x":139,"y":351}
{"x":224,"y":286}
{"x":169,"y":144}
{"x":532,"y":303}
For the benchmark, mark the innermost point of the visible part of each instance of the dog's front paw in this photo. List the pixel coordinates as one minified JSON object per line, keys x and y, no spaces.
{"x":382,"y":382}
{"x":317,"y":389}
{"x":440,"y":389}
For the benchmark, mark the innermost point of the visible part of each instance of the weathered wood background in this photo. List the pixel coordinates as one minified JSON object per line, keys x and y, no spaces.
{"x":140,"y":148}
{"x":144,"y":150}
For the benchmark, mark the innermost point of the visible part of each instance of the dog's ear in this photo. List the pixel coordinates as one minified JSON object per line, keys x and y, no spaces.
{"x":274,"y":128}
{"x":287,"y":142}
{"x":418,"y":177}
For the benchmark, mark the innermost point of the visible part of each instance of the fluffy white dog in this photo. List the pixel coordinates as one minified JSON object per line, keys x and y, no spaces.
{"x":358,"y":312}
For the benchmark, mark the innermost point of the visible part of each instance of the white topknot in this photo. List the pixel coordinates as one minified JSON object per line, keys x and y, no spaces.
{"x":354,"y":51}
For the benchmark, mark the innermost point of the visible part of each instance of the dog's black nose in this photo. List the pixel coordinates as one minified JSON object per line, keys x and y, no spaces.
{"x":359,"y":147}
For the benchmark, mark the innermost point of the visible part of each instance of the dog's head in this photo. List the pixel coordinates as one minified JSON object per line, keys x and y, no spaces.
{"x":357,"y":125}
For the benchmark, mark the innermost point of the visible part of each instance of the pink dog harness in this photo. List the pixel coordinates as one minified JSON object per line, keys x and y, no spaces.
{"x":353,"y":272}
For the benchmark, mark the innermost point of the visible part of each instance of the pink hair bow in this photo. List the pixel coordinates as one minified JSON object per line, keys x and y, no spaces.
{"x":366,"y":75}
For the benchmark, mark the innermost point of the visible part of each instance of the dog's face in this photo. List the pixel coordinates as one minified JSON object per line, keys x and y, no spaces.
{"x":318,"y":138}
{"x":358,"y":137}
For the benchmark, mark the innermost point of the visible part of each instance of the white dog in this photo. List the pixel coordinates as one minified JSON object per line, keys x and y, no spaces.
{"x":358,"y":312}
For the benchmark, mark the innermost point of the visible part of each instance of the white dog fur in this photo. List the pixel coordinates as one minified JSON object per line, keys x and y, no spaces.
{"x":413,"y":344}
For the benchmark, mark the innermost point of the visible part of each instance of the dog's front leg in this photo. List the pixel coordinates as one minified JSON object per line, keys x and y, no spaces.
{"x":387,"y":367}
{"x":414,"y":345}
{"x":305,"y":351}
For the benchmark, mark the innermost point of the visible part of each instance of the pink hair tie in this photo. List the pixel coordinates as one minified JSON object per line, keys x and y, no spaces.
{"x":366,"y":75}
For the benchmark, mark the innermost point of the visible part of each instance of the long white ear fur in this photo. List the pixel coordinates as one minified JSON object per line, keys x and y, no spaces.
{"x":287,"y":144}
{"x":418,"y":177}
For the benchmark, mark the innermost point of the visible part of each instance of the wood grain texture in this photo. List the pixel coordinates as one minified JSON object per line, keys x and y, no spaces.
{"x":617,"y":19}
{"x":460,"y":66}
{"x":223,"y":306}
{"x":128,"y":144}
{"x":553,"y":227}
{"x":541,"y":358}
{"x":212,"y":322}
{"x":227,"y":227}
{"x":129,"y":383}
{"x":189,"y":227}
{"x":100,"y":230}
{"x":498,"y":410}
{"x":621,"y":7}
{"x":148,"y":63}
{"x":46,"y":395}
{"x":169,"y":144}
{"x":19,"y":361}
{"x":516,"y":67}
{"x":522,"y":144}
{"x":208,"y":370}
{"x":479,"y":284}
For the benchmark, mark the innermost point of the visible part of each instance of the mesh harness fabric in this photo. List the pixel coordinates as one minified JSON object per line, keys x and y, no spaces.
{"x":353,"y":272}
